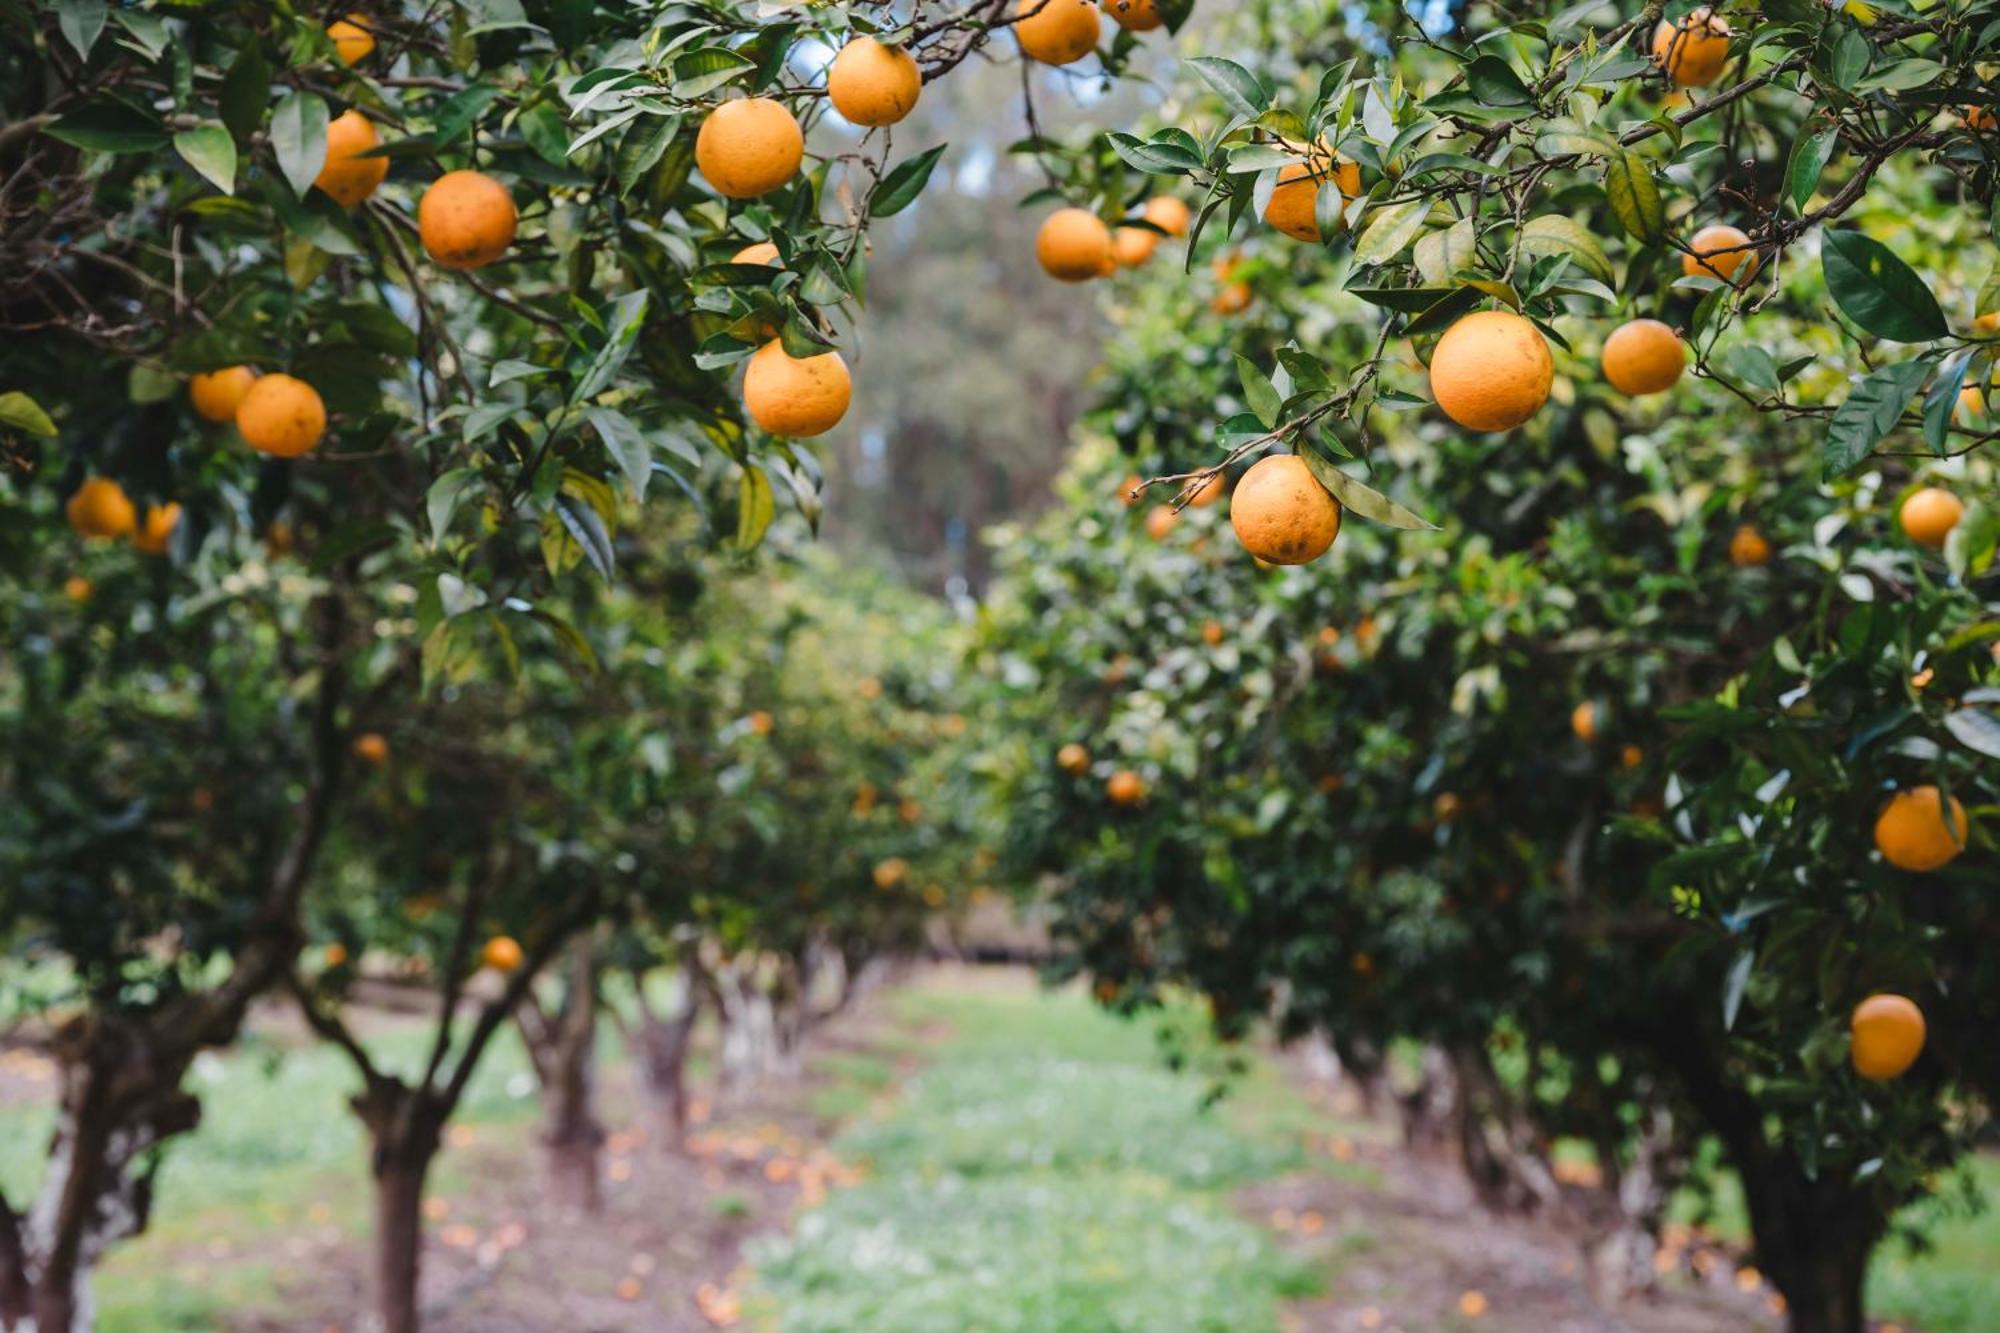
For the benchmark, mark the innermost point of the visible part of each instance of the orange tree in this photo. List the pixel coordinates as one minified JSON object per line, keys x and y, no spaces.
{"x":1579,"y":785}
{"x":445,"y":301}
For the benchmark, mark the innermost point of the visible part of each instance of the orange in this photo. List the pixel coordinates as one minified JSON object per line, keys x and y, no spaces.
{"x":890,"y":873}
{"x":1211,"y":632}
{"x":1583,"y":721}
{"x":100,"y":510}
{"x":1644,"y":356}
{"x":1631,"y":756}
{"x":1732,"y":265}
{"x":77,"y":588}
{"x":1748,"y":547}
{"x":1169,"y":214}
{"x":1072,"y":759}
{"x":763,"y":252}
{"x":150,"y":538}
{"x":1133,"y":246}
{"x":1211,"y":490}
{"x":749,"y":147}
{"x":798,"y":396}
{"x":1987,"y":323}
{"x":502,"y":953}
{"x":1491,"y":371}
{"x":1160,"y":520}
{"x":1282,"y":514}
{"x":1233,"y":299}
{"x":1135,"y":15}
{"x":281,"y":416}
{"x":1128,"y":489}
{"x":1912,"y":832}
{"x":346,"y":177}
{"x":1979,"y":118}
{"x":1694,"y":50}
{"x":372,"y":747}
{"x":1886,"y":1034}
{"x":1294,"y":206}
{"x":353,"y":39}
{"x":1929,"y":515}
{"x":216,"y":394}
{"x":873,"y":84}
{"x":467,"y":220}
{"x":278,"y":539}
{"x":1073,"y":245}
{"x":1971,"y":403}
{"x":335,"y":956}
{"x":1056,"y":32}
{"x":762,"y":723}
{"x":1125,"y":788}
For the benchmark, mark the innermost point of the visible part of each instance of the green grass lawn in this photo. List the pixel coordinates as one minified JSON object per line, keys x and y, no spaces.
{"x":1046,"y":1173}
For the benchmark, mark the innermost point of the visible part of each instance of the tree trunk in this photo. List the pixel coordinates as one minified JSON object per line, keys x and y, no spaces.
{"x":565,"y":1060}
{"x":663,"y":1045}
{"x":399,"y":1241}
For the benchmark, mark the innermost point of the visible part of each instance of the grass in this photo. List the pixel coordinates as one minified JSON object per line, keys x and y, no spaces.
{"x":1043,"y":1173}
{"x":277,"y":1148}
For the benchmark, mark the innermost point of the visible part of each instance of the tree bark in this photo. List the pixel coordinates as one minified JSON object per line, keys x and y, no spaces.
{"x":565,"y":1052}
{"x":663,"y":1042}
{"x":405,"y":1127}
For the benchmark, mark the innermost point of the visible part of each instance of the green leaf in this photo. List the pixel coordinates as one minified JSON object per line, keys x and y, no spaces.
{"x":110,"y":125}
{"x":1941,"y":403}
{"x":1870,"y":412}
{"x":1155,"y":159}
{"x":542,"y":126}
{"x":1441,"y":254}
{"x":1877,"y":290}
{"x":628,"y":444}
{"x":443,"y":499}
{"x":245,"y":91}
{"x":1390,"y":229}
{"x":700,"y":72}
{"x":459,"y":111}
{"x":1810,"y":154}
{"x":1975,"y":729}
{"x":1554,"y":234}
{"x":81,"y":22}
{"x":24,"y":413}
{"x":1241,"y":91}
{"x":586,"y":526}
{"x":209,"y":150}
{"x":149,"y":31}
{"x":1494,"y":82}
{"x":622,"y":319}
{"x":1352,"y":494}
{"x":298,"y":136}
{"x":756,"y":506}
{"x":1635,"y":197}
{"x":642,"y":148}
{"x":1259,"y":393}
{"x":1575,"y":143}
{"x":1732,"y":991}
{"x":905,"y":181}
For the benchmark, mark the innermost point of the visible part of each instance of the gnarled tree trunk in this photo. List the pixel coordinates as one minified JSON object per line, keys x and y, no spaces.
{"x":404,"y":1130}
{"x":563,"y":1050}
{"x":661,"y":1043}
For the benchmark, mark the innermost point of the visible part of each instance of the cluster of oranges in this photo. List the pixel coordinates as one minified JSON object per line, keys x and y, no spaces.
{"x":1075,"y":245}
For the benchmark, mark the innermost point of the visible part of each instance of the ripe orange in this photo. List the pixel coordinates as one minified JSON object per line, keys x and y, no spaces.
{"x":353,"y":38}
{"x":749,"y":147}
{"x":150,"y":538}
{"x":762,"y":723}
{"x":1211,"y":491}
{"x":1730,"y":264}
{"x":1125,"y":788}
{"x":78,"y":588}
{"x":1491,"y":371}
{"x":217,"y":393}
{"x":1987,"y":323}
{"x":1135,"y":15}
{"x":281,"y":416}
{"x":502,"y":953}
{"x":1294,"y":206}
{"x":1169,"y":214}
{"x":1971,"y":404}
{"x":1930,"y":514}
{"x":1886,"y":1034}
{"x":763,"y":252}
{"x":1631,"y":756}
{"x":1233,"y":299}
{"x":888,"y":874}
{"x":1160,"y":520}
{"x":346,"y":177}
{"x":1644,"y":356}
{"x":1748,"y":547}
{"x":1133,"y":246}
{"x":1583,"y":721}
{"x":1073,"y":759}
{"x":1694,"y":50}
{"x":1056,"y":32}
{"x":797,"y":396}
{"x":334,"y":956}
{"x":1211,"y":633}
{"x":466,"y":220}
{"x":1979,"y":118}
{"x":1073,"y":245}
{"x":371,"y":747}
{"x":873,"y":84}
{"x":1128,"y":489}
{"x":1282,"y":514}
{"x":100,"y":510}
{"x":1912,"y":832}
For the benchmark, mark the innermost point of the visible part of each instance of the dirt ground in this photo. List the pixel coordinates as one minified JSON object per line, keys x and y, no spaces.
{"x":665,"y":1255}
